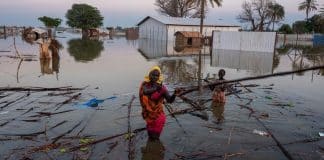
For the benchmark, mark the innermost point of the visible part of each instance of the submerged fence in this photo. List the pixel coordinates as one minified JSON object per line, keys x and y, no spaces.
{"x":295,"y":37}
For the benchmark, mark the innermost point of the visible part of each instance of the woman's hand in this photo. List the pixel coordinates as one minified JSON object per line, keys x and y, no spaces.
{"x":177,"y":91}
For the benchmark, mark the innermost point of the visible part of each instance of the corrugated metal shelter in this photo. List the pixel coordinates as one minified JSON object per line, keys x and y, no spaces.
{"x":188,"y":39}
{"x":164,"y":28}
{"x":244,"y":41}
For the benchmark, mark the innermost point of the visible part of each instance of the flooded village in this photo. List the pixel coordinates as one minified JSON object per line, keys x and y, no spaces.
{"x":73,"y":87}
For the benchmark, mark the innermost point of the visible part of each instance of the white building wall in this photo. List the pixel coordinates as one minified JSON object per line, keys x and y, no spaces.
{"x":244,"y":41}
{"x":207,"y":31}
{"x":152,"y":29}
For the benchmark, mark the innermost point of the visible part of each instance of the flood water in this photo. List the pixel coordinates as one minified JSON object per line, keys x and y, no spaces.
{"x":291,"y":106}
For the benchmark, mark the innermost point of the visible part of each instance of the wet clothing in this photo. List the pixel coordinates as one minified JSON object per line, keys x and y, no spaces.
{"x":218,"y":111}
{"x":219,"y":93}
{"x":152,"y":107}
{"x":152,"y":96}
{"x":154,"y":150}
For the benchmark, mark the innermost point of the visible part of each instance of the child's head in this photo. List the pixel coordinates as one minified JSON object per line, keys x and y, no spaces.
{"x":221,"y":73}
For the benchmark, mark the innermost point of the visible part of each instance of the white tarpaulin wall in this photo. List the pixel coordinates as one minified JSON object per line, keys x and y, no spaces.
{"x":244,"y":41}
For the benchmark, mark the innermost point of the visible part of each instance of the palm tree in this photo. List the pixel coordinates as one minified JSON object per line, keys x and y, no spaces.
{"x":202,"y":4}
{"x":308,"y":6}
{"x":276,"y":12}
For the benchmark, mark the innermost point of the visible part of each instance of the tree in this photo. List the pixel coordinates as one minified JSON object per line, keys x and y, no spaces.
{"x":260,"y":14}
{"x":300,"y":27}
{"x":314,"y":24}
{"x":308,"y":6}
{"x":202,"y":4}
{"x":50,"y":22}
{"x":276,"y":13}
{"x":317,"y":23}
{"x":177,"y":8}
{"x":286,"y":29}
{"x":84,"y":16}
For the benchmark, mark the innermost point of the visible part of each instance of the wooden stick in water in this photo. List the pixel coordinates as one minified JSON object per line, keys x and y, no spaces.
{"x":195,"y":88}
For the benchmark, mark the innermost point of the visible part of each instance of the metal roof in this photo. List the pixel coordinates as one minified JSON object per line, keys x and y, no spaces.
{"x":185,"y":21}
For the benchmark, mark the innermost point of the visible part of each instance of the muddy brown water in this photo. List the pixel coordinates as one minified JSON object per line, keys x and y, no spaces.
{"x":291,"y":107}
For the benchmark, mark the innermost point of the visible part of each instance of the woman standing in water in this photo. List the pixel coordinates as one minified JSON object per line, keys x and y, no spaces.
{"x":152,"y":94}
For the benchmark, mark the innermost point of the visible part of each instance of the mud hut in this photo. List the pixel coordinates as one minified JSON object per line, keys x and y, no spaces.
{"x":93,"y":32}
{"x":188,"y":39}
{"x":32,"y":34}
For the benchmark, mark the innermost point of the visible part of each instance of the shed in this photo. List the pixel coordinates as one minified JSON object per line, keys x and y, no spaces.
{"x":188,"y":39}
{"x":164,"y":28}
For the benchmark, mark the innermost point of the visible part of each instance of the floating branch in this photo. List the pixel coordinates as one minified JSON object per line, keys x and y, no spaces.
{"x":65,"y":133}
{"x":104,"y":139}
{"x":195,"y":88}
{"x":67,"y":101}
{"x":39,"y":89}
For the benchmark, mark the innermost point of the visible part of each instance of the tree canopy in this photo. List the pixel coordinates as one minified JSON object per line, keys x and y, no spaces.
{"x":259,"y":14}
{"x":285,"y":28}
{"x":176,"y":8}
{"x":276,"y":13}
{"x":314,"y":24}
{"x":308,"y":6}
{"x":50,"y":22}
{"x":84,"y":16}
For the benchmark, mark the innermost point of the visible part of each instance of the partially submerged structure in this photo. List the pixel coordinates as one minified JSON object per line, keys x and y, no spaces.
{"x":93,"y":32}
{"x":32,"y":34}
{"x":188,"y":39}
{"x":164,"y":28}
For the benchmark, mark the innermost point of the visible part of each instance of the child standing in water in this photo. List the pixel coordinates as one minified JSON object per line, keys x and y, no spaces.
{"x":219,"y":90}
{"x":219,"y":98}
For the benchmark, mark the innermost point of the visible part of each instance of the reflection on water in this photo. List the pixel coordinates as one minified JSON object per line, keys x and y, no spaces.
{"x":85,"y":50}
{"x":175,"y":62}
{"x":257,"y":62}
{"x":218,"y":111}
{"x":303,"y":56}
{"x":179,"y":70}
{"x":153,"y":49}
{"x":154,"y":149}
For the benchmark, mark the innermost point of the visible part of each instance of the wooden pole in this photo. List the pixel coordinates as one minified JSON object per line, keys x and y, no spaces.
{"x":5,"y":32}
{"x":129,"y":131}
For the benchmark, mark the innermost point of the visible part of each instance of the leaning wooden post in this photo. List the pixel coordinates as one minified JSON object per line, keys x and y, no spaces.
{"x":5,"y":32}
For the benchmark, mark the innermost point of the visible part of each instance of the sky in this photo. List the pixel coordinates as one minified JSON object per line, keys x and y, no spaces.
{"x":125,"y":13}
